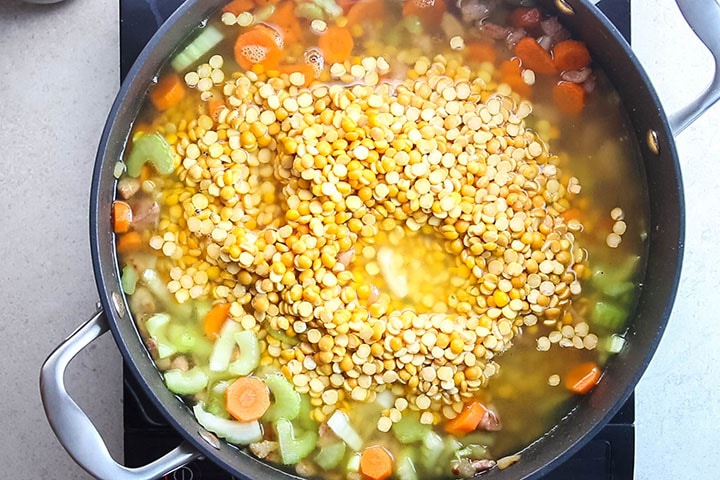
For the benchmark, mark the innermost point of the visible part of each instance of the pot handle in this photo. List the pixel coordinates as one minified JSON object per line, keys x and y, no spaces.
{"x":76,"y":431}
{"x":704,"y":19}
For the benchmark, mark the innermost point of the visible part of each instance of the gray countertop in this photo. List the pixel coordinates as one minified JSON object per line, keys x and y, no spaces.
{"x":58,"y":75}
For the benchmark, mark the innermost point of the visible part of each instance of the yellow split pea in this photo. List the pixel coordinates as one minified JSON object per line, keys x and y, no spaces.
{"x":287,"y":194}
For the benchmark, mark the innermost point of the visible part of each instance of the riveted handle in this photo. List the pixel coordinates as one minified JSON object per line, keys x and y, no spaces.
{"x":703,"y":16}
{"x":76,"y":431}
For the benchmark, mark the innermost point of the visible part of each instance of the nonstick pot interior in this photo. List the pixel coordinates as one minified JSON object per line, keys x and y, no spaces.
{"x":665,"y":244}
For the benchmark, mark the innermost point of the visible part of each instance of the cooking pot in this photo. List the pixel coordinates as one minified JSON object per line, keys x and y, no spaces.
{"x":648,"y":122}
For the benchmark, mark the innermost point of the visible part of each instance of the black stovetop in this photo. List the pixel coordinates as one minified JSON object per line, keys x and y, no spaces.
{"x":147,"y":436}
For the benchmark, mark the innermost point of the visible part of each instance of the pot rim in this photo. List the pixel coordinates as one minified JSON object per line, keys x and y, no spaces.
{"x":541,"y":456}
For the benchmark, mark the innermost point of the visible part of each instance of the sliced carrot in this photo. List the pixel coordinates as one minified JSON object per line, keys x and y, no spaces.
{"x":568,"y":97}
{"x":571,"y":55}
{"x":287,"y":22}
{"x":236,"y":7}
{"x":129,"y":242}
{"x":430,"y":12}
{"x":511,"y":73}
{"x":582,"y":378}
{"x":247,"y":399}
{"x":307,"y":70}
{"x":213,"y":107}
{"x":122,"y":216}
{"x":571,"y":214}
{"x":365,"y":11}
{"x":169,"y":90}
{"x":259,"y":45}
{"x":336,"y":44}
{"x":467,"y":421}
{"x":376,"y":463}
{"x":480,"y":52}
{"x":534,"y":56}
{"x":215,"y":319}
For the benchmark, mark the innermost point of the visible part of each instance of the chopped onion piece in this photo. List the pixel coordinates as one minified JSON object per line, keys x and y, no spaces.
{"x":339,"y":423}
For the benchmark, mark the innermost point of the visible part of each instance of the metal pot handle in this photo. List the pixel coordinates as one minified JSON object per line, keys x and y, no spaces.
{"x":704,"y":19}
{"x":76,"y":431}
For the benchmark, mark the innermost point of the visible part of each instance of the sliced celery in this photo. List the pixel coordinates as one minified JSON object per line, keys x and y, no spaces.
{"x":405,"y":468}
{"x":409,"y":429}
{"x":182,"y":337}
{"x":238,"y":433}
{"x":431,"y":449}
{"x":153,"y":148}
{"x":304,"y":419}
{"x":224,"y":346}
{"x":330,"y":456}
{"x":158,"y":288}
{"x":293,"y":446}
{"x":187,"y":382}
{"x":156,"y":327}
{"x":202,"y":44}
{"x":129,"y":279}
{"x":472,"y":451}
{"x":249,"y":358}
{"x":281,"y":336}
{"x":339,"y":423}
{"x":215,"y":400}
{"x":608,"y":315}
{"x":286,"y":403}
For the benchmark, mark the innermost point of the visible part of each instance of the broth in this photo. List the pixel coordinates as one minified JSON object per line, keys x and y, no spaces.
{"x":357,"y":209}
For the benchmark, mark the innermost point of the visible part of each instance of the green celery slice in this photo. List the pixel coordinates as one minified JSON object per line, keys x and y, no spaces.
{"x":249,"y":358}
{"x":156,"y":326}
{"x":153,"y":148}
{"x":287,"y":401}
{"x":224,"y":346}
{"x":409,"y":429}
{"x":238,"y":433}
{"x":187,"y":382}
{"x":129,"y":279}
{"x":293,"y":446}
{"x":202,"y":44}
{"x":330,"y":456}
{"x":406,"y":466}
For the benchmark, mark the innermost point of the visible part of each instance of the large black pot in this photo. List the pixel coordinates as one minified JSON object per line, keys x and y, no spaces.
{"x":665,"y":246}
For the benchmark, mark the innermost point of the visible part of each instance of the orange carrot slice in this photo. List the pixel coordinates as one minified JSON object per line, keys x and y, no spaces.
{"x":571,"y":55}
{"x":376,"y":463}
{"x":236,"y":7}
{"x":480,"y":52}
{"x":365,"y":11}
{"x":215,"y":319}
{"x":534,"y":56}
{"x":259,"y":45}
{"x":287,"y":22}
{"x":122,"y":216}
{"x":169,"y":90}
{"x":128,"y":242}
{"x":583,"y":377}
{"x":467,"y":421}
{"x":336,"y":44}
{"x":568,"y":97}
{"x":511,"y":73}
{"x":247,"y":399}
